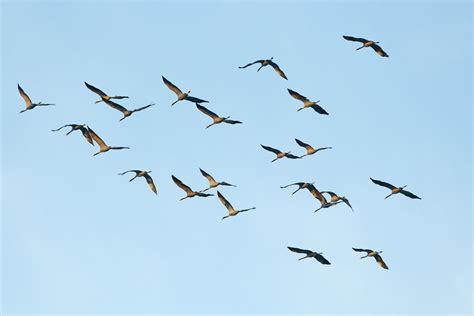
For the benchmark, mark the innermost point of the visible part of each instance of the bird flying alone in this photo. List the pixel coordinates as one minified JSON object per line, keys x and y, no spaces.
{"x":141,"y":173}
{"x":76,"y":127}
{"x":307,"y":103}
{"x":180,"y":94}
{"x":266,"y":62}
{"x":229,"y":207}
{"x":367,"y":43}
{"x":309,"y":149}
{"x":29,"y":105}
{"x":395,"y":189}
{"x":103,"y":96}
{"x":189,"y":192}
{"x":216,"y":118}
{"x":374,"y":254}
{"x":279,"y":153}
{"x":126,"y":113}
{"x":310,"y":254}
{"x":212,"y":182}
{"x":102,"y":145}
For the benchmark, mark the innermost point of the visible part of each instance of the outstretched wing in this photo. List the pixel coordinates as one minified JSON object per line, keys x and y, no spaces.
{"x":207,"y":175}
{"x":296,"y":95}
{"x":355,"y":39}
{"x":298,"y":250}
{"x":95,"y":90}
{"x":277,"y":69}
{"x":87,"y":135}
{"x":362,"y":250}
{"x":149,"y":180}
{"x":291,"y":156}
{"x":296,"y":183}
{"x":225,"y":202}
{"x":379,"y":50}
{"x":273,"y":150}
{"x":319,"y":109}
{"x":195,"y":100}
{"x":207,"y":111}
{"x":380,"y":261}
{"x":143,"y":107}
{"x":321,"y":259}
{"x":345,"y":200}
{"x":125,"y":172}
{"x":255,"y":62}
{"x":302,"y":144}
{"x":409,"y":194}
{"x":181,"y":184}
{"x":329,"y":192}
{"x":96,"y":138}
{"x":24,"y":96}
{"x":384,"y":184}
{"x":58,"y":129}
{"x":232,"y":122}
{"x":171,"y":86}
{"x":116,"y":106}
{"x":317,"y":194}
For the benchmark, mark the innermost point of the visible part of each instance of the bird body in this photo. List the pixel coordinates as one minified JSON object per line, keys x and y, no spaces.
{"x":374,"y":254}
{"x":212,"y":182}
{"x":307,"y":103}
{"x":266,"y":62}
{"x":395,"y":189}
{"x":76,"y":127}
{"x":216,"y":118}
{"x":189,"y":192}
{"x":229,"y":207}
{"x":29,"y":105}
{"x":337,"y":198}
{"x":145,"y":174}
{"x":310,"y":254}
{"x":103,"y":147}
{"x":367,"y":43}
{"x":103,"y":96}
{"x":309,"y":149}
{"x":126,"y":113}
{"x":324,"y":203}
{"x":181,"y":96}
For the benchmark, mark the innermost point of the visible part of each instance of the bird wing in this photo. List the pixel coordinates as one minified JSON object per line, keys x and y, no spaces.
{"x":273,"y":150}
{"x":171,"y":86}
{"x":317,"y":194}
{"x":258,"y":61}
{"x":362,"y":250}
{"x":307,"y":146}
{"x":298,"y":250}
{"x":409,"y":194}
{"x":95,"y":90}
{"x":297,"y":96}
{"x":116,"y":106}
{"x":380,"y":261}
{"x":195,"y":100}
{"x":96,"y":138}
{"x":87,"y":135}
{"x":232,"y":121}
{"x":58,"y":129}
{"x":207,"y":175}
{"x":277,"y":69}
{"x":321,"y":259}
{"x":181,"y":184}
{"x":225,"y":202}
{"x":319,"y":109}
{"x":291,"y":156}
{"x":143,"y":107}
{"x":355,"y":39}
{"x":136,"y":171}
{"x":24,"y":96}
{"x":384,"y":184}
{"x":207,"y":111}
{"x":379,"y":50}
{"x":329,"y":192}
{"x":345,"y":200}
{"x":296,"y":183}
{"x":149,"y":180}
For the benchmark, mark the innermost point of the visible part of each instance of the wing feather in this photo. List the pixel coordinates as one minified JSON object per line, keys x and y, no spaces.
{"x":181,"y":184}
{"x":207,"y":111}
{"x":384,"y":184}
{"x":25,"y":96}
{"x":172,"y":87}
{"x":95,"y":90}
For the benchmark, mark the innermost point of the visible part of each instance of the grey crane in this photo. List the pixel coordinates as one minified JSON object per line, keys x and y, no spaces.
{"x":309,"y":149}
{"x":180,"y":94}
{"x":102,"y":145}
{"x":216,"y":118}
{"x":30,"y":105}
{"x":367,"y":43}
{"x":279,"y":153}
{"x":336,"y":198}
{"x":374,"y":254}
{"x":301,"y":185}
{"x":76,"y":127}
{"x":310,"y":254}
{"x":266,"y":62}
{"x":395,"y":189}
{"x":324,"y":203}
{"x":212,"y":182}
{"x":142,"y":173}
{"x":103,"y":96}
{"x":189,"y":192}
{"x":230,"y":208}
{"x":307,"y":103}
{"x":126,"y":113}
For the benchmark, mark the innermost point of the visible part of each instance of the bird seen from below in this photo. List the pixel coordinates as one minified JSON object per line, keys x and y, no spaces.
{"x":126,"y":113}
{"x":103,"y":96}
{"x":301,"y":185}
{"x":212,"y":182}
{"x":230,"y":208}
{"x":189,"y":192}
{"x":310,"y":254}
{"x":76,"y":127}
{"x":395,"y":189}
{"x":279,"y":154}
{"x":102,"y":145}
{"x":336,"y":198}
{"x":367,"y":43}
{"x":181,"y":96}
{"x":216,"y":118}
{"x":324,"y":203}
{"x":307,"y":103}
{"x":309,"y":149}
{"x":30,"y":105}
{"x":374,"y":254}
{"x":266,"y":62}
{"x":141,"y":173}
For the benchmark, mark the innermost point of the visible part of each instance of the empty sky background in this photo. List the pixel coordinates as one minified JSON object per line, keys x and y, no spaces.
{"x":78,"y":238}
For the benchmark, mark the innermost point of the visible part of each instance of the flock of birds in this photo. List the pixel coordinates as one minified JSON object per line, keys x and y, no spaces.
{"x":92,"y":138}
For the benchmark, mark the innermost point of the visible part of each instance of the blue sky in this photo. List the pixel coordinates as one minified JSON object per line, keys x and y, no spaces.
{"x":78,"y":238}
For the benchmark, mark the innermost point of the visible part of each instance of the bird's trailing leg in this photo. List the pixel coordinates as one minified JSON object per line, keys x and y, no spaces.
{"x":174,"y":102}
{"x":184,"y":198}
{"x":389,"y":195}
{"x":132,"y":179}
{"x":69,"y":132}
{"x":275,"y":159}
{"x":360,"y":48}
{"x":318,"y":209}
{"x":304,"y":257}
{"x":296,"y":191}
{"x":300,"y":109}
{"x":210,"y":125}
{"x":259,"y":68}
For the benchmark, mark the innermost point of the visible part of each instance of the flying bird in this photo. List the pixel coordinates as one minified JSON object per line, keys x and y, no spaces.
{"x":76,"y":127}
{"x":324,"y":203}
{"x":216,"y":118}
{"x":301,"y":185}
{"x":336,"y":198}
{"x":102,"y":145}
{"x":367,"y":43}
{"x":29,"y":105}
{"x":395,"y":189}
{"x":266,"y":62}
{"x":103,"y":96}
{"x":310,"y":254}
{"x":212,"y":182}
{"x":180,"y":94}
{"x":189,"y":193}
{"x":309,"y":149}
{"x":230,"y":208}
{"x":141,"y":173}
{"x":307,"y":103}
{"x":126,"y":113}
{"x":374,"y":254}
{"x":279,"y":153}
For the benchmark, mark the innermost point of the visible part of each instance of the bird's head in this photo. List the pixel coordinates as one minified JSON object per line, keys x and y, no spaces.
{"x":379,"y":251}
{"x":188,"y":92}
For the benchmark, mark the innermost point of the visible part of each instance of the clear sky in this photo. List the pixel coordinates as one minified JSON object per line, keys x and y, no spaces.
{"x":78,"y":238}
